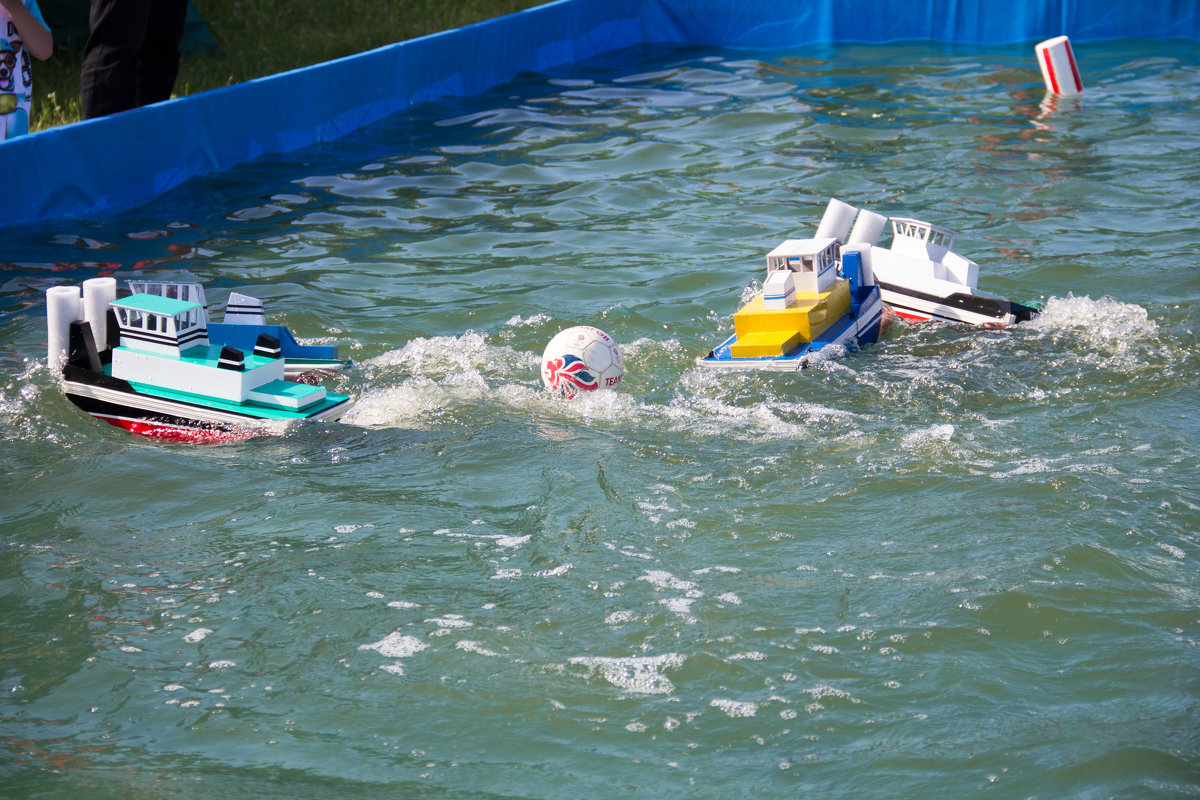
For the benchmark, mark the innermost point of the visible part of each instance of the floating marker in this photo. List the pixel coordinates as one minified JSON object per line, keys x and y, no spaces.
{"x":1059,"y":70}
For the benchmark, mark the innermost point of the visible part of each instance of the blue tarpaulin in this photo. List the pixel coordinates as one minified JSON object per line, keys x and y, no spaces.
{"x":101,"y":166}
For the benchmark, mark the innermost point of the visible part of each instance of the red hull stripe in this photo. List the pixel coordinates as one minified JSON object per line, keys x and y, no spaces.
{"x":172,"y":433}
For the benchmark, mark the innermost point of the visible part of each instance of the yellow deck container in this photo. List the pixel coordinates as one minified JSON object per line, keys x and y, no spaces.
{"x":763,"y":332}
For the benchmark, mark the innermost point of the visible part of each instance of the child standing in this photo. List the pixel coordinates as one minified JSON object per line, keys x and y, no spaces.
{"x":23,"y":33}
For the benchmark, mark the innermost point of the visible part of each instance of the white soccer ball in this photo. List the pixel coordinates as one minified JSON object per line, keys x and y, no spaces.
{"x":581,"y":359}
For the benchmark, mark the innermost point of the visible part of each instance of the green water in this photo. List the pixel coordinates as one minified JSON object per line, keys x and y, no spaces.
{"x":958,"y":563}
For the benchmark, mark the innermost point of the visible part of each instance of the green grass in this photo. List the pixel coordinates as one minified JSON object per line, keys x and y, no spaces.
{"x":263,"y":37}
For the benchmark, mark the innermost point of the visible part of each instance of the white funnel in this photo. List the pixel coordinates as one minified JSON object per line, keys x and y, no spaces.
{"x":867,"y":228}
{"x":63,"y":306}
{"x":97,"y":294}
{"x":837,"y":219}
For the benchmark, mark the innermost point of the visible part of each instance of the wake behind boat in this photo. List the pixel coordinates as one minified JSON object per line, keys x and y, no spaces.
{"x":157,"y":373}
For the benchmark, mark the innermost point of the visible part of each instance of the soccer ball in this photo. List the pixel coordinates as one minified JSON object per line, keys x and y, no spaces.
{"x":581,"y":359}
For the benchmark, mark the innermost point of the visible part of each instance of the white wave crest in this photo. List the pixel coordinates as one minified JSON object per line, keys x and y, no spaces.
{"x":396,"y":645}
{"x":638,"y":674}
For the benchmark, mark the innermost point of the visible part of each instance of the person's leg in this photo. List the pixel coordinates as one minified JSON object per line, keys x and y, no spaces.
{"x":160,"y":50}
{"x":108,"y":78}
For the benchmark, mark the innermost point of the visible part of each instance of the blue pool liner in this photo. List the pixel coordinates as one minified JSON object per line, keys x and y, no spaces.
{"x":99,"y":167}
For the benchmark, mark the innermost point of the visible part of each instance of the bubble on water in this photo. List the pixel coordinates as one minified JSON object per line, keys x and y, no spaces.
{"x":474,"y":647}
{"x":825,"y":692}
{"x":638,"y":674}
{"x":1172,"y":550}
{"x":735,"y":708}
{"x":679,"y":605}
{"x":511,"y":541}
{"x":661,"y":579}
{"x":197,"y":635}
{"x":396,"y":645}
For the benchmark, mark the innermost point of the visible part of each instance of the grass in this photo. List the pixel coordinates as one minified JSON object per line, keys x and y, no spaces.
{"x":263,"y":37}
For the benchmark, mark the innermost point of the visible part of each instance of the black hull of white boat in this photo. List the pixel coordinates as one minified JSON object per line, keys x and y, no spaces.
{"x":959,"y":307}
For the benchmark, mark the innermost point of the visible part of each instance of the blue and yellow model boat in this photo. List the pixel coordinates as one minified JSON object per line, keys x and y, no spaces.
{"x":814,"y":297}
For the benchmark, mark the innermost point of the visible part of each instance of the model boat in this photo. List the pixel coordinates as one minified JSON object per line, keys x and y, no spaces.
{"x":243,"y":322}
{"x":814,"y":296}
{"x":145,"y":363}
{"x":920,"y":276}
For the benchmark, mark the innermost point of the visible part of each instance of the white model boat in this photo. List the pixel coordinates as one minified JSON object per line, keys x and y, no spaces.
{"x":920,"y":276}
{"x":156,"y":373}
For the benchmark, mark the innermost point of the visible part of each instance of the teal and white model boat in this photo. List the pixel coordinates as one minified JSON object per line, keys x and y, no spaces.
{"x":145,"y":363}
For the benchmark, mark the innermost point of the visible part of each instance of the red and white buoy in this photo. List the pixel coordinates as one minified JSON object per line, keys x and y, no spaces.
{"x":1059,"y":70}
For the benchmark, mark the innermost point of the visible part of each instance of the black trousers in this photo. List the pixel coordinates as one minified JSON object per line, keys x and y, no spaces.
{"x":132,"y":54}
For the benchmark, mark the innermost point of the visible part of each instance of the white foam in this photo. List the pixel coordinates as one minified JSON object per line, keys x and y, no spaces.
{"x":396,"y":645}
{"x":1172,"y":550}
{"x":735,"y":708}
{"x":1104,"y":318}
{"x":679,"y":605}
{"x":638,"y":674}
{"x":925,"y":437}
{"x":660,"y":579}
{"x":1104,"y":328}
{"x":474,"y":647}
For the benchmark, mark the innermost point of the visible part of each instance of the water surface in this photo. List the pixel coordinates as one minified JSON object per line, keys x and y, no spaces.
{"x":959,"y":561}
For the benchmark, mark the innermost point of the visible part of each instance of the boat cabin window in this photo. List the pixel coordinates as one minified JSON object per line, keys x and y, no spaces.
{"x":129,"y":317}
{"x":185,"y":322}
{"x":923,"y":232}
